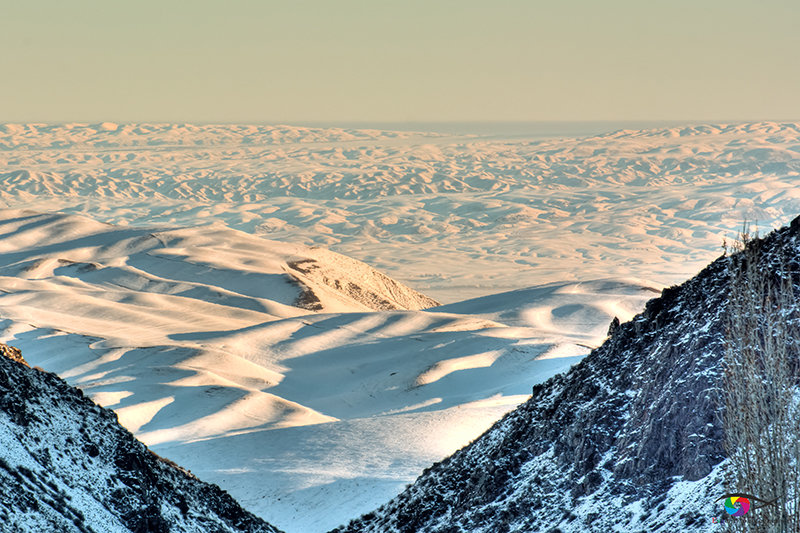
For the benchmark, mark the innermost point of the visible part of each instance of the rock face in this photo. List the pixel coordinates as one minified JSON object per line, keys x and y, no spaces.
{"x":609,"y":445}
{"x":365,"y":285}
{"x":67,"y":465}
{"x":12,"y":353}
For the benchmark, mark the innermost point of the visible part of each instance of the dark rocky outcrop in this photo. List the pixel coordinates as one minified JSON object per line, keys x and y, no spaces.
{"x":612,"y":444}
{"x":67,"y":465}
{"x":612,"y":327}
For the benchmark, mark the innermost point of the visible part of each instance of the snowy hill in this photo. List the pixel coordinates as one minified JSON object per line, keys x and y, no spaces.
{"x":543,"y":308}
{"x":67,"y":465}
{"x":273,"y":277}
{"x":202,"y":341}
{"x":629,"y":439}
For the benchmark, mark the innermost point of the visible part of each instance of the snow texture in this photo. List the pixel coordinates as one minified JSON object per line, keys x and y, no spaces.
{"x":67,"y":465}
{"x":203,"y":342}
{"x":455,"y":217}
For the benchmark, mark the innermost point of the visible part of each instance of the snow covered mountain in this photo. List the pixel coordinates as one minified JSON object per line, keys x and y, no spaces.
{"x":273,"y":277}
{"x":203,"y":343}
{"x":67,"y":465}
{"x":628,"y":440}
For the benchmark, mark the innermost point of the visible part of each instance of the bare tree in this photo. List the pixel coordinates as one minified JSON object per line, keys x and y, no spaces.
{"x":762,"y":416}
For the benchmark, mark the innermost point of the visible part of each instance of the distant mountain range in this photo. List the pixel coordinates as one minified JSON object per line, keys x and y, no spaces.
{"x":455,"y":217}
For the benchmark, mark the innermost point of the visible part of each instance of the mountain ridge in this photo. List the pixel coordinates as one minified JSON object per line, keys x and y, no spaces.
{"x":620,"y":430}
{"x":67,"y":465}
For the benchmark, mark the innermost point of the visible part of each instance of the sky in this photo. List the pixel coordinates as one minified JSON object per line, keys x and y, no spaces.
{"x":334,"y":61}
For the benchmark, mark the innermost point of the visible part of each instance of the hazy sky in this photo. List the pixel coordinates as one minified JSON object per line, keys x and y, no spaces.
{"x":341,"y":60}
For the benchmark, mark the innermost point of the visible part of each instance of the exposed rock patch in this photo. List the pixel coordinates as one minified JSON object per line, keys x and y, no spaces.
{"x":368,"y":287}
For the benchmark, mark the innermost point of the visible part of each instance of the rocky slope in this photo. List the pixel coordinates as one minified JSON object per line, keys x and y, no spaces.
{"x":67,"y":465}
{"x":630,"y":439}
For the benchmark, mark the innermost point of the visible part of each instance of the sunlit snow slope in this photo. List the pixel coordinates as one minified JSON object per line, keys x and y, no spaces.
{"x":202,"y":342}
